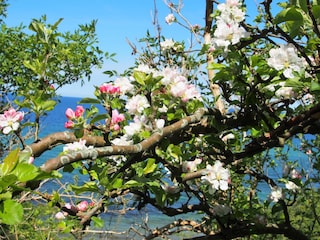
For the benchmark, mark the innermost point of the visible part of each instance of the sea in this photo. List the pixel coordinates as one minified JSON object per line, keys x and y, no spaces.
{"x":127,"y":224}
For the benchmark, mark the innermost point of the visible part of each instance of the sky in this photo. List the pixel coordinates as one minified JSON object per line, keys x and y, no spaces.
{"x":116,"y":23}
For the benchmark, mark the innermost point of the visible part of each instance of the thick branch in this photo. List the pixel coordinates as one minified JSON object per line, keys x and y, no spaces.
{"x":50,"y":141}
{"x":251,"y":229}
{"x":60,"y":161}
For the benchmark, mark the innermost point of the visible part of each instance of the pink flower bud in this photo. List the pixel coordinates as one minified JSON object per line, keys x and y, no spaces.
{"x":69,"y":124}
{"x":79,"y":111}
{"x":83,"y":206}
{"x":59,"y":216}
{"x":31,"y":160}
{"x":70,"y":114}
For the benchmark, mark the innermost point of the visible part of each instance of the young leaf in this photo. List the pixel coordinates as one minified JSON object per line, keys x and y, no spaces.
{"x":10,"y":162}
{"x":11,"y":212}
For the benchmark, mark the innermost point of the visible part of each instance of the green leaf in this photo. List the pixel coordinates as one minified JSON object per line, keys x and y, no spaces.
{"x":6,"y":195}
{"x":7,"y":180}
{"x":140,"y":77}
{"x":87,"y":187}
{"x":131,"y":183}
{"x":11,"y":212}
{"x":99,"y":117}
{"x":289,"y":14}
{"x":117,"y":183}
{"x":216,"y":66}
{"x":314,"y":87}
{"x":316,"y":11}
{"x":150,"y":167}
{"x":48,"y":105}
{"x":25,"y":172}
{"x":89,"y":101}
{"x":98,"y":222}
{"x":24,"y":156}
{"x":10,"y":162}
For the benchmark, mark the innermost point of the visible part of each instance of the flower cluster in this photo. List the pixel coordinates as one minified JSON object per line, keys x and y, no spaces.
{"x":10,"y":120}
{"x":80,"y":207}
{"x":120,"y":86}
{"x":76,"y":146}
{"x":167,"y":44}
{"x":109,"y":89}
{"x":285,"y":58}
{"x":116,"y":118}
{"x":216,"y":176}
{"x":228,"y":30}
{"x":137,"y":104}
{"x":74,"y":116}
{"x":178,"y":85}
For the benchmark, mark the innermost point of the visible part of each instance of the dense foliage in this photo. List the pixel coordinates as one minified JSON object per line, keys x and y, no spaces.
{"x":221,"y":134}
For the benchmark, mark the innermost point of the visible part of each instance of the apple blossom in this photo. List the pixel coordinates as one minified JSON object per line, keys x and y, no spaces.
{"x":69,"y":124}
{"x":228,"y":30}
{"x":124,"y":84}
{"x":160,"y":123}
{"x":10,"y":120}
{"x":295,"y":174}
{"x":115,"y":119}
{"x":76,"y":146}
{"x":216,"y":176}
{"x":31,"y":160}
{"x":137,"y":104}
{"x":170,"y":18}
{"x":124,"y":140}
{"x":276,"y":194}
{"x":285,"y":58}
{"x":292,"y":186}
{"x":83,"y":206}
{"x":70,"y":114}
{"x":191,"y":166}
{"x":167,"y":44}
{"x":59,"y":216}
{"x":109,"y":88}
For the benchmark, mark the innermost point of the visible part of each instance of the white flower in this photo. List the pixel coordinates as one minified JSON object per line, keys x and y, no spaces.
{"x":216,"y":176}
{"x":163,"y":109}
{"x":227,"y":33}
{"x":133,"y":127}
{"x":170,"y":18}
{"x":137,"y":104}
{"x":281,"y":91}
{"x":160,"y":123}
{"x":76,"y":146}
{"x":59,"y":216}
{"x":191,"y":166}
{"x":276,"y":194}
{"x":144,"y":68}
{"x":230,"y":12}
{"x":122,"y":141}
{"x":292,"y":186}
{"x":285,"y":58}
{"x":124,"y":84}
{"x":167,"y":44}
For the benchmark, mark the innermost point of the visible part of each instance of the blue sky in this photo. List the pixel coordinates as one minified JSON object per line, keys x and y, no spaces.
{"x":116,"y":22}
